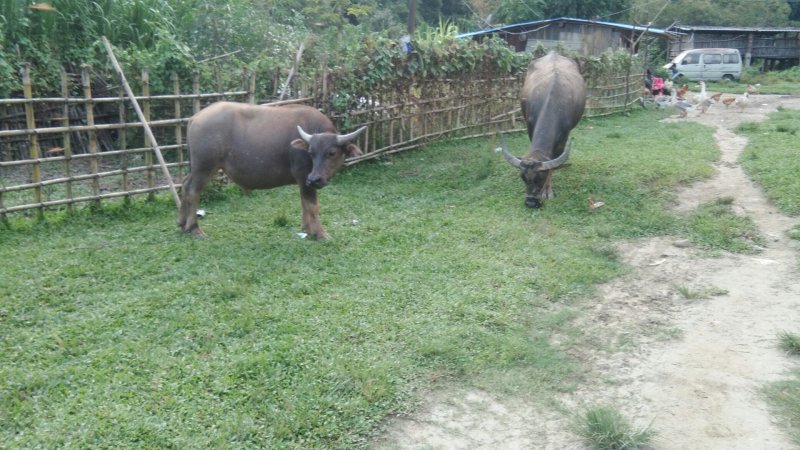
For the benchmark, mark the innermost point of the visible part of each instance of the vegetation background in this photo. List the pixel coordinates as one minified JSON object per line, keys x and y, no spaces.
{"x":264,"y":35}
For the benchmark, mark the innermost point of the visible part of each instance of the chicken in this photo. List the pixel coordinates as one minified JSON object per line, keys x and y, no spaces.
{"x":682,"y":91}
{"x":728,"y":101}
{"x":668,"y":85}
{"x":742,"y":101}
{"x":752,"y":90}
{"x":594,"y":204}
{"x":716,"y":97}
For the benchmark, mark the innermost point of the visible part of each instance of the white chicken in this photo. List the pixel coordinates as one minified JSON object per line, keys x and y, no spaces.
{"x":742,"y":101}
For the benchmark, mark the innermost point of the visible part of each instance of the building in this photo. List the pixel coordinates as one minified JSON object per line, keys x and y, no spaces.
{"x":587,"y":37}
{"x":776,"y":48}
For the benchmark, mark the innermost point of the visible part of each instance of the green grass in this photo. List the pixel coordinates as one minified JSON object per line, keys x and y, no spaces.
{"x":790,"y":342}
{"x":771,"y":158}
{"x":786,"y":82}
{"x":784,"y":400}
{"x":118,"y":331}
{"x":706,"y":292}
{"x":604,"y":428}
{"x":715,"y":226}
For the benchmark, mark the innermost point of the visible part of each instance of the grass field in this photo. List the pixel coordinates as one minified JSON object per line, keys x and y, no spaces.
{"x":773,"y":160}
{"x":117,"y":331}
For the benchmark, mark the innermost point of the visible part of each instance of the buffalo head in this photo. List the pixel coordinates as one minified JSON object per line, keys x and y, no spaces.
{"x":536,"y":174}
{"x":328,"y":152}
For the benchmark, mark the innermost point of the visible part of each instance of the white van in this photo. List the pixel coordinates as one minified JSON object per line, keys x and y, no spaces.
{"x":709,"y":64}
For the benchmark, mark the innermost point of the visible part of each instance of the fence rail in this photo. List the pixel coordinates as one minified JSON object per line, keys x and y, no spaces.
{"x":56,"y":152}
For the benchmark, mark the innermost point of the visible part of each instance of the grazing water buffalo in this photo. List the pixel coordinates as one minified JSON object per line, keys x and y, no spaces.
{"x":262,"y":147}
{"x":553,"y":99}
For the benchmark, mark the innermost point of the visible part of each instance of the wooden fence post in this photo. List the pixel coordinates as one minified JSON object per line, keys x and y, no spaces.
{"x":196,"y":91}
{"x":250,"y":85}
{"x":33,"y":141}
{"x":67,"y":139}
{"x":148,"y":157}
{"x":86,"y":81}
{"x":122,"y":111}
{"x":176,"y":88}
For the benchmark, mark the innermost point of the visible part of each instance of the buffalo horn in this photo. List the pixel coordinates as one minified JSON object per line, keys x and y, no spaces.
{"x":513,"y":160}
{"x":345,"y":138}
{"x":305,"y":136}
{"x":554,"y":163}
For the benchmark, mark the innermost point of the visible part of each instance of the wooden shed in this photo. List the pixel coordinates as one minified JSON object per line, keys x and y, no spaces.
{"x":588,"y":37}
{"x":774,"y":47}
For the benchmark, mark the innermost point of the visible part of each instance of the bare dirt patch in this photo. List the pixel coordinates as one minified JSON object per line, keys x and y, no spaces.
{"x":690,"y":367}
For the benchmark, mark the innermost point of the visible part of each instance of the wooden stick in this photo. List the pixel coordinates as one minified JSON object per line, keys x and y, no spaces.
{"x":30,"y":120}
{"x":291,"y":72}
{"x":147,"y":129}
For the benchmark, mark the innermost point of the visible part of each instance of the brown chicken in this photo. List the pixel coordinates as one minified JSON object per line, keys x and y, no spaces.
{"x":752,"y":90}
{"x":716,"y":97}
{"x":728,"y":101}
{"x":682,"y":91}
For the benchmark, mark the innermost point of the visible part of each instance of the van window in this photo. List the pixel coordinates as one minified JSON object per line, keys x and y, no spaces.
{"x":712,"y":58}
{"x":730,"y":58}
{"x":691,"y":58}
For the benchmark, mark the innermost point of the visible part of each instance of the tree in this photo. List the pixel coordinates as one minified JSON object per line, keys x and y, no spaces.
{"x":743,"y":13}
{"x":611,"y":10}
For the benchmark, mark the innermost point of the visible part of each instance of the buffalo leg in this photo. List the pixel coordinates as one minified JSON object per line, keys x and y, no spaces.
{"x":193,"y":185}
{"x":311,"y":223}
{"x":547,"y":189}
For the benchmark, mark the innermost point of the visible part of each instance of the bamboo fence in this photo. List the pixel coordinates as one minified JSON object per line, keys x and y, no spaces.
{"x":78,"y":148}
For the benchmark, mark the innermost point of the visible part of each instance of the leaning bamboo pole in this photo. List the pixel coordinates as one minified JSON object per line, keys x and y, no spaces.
{"x":147,"y":129}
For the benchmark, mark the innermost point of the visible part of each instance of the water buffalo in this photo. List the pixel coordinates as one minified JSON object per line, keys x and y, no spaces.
{"x":553,"y":100}
{"x":262,"y":147}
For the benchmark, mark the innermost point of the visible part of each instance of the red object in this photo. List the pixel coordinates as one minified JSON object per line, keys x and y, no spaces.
{"x":658,"y":85}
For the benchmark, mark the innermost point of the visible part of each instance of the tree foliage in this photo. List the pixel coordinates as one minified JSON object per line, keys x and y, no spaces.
{"x":742,"y":13}
{"x":178,"y":35}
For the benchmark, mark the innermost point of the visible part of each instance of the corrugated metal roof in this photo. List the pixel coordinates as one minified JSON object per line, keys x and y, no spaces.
{"x":690,"y":28}
{"x":510,"y":28}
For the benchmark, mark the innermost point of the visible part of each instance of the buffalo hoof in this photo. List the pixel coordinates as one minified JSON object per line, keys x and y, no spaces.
{"x":195,"y":232}
{"x":533,"y":203}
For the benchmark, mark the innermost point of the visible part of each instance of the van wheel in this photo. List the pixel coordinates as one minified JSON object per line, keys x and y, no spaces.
{"x":727,"y":77}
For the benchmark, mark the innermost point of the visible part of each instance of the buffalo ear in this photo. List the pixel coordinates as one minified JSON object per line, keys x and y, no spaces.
{"x":299,"y":144}
{"x":352,"y":150}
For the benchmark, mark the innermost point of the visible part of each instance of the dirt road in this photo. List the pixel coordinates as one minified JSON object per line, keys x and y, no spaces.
{"x":691,"y":368}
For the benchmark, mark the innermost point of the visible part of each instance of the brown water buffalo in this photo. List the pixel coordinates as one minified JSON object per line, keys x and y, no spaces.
{"x":262,"y":147}
{"x":553,"y":100}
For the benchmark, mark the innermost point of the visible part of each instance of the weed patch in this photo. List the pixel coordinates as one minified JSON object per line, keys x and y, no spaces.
{"x":604,"y":428}
{"x":716,"y":227}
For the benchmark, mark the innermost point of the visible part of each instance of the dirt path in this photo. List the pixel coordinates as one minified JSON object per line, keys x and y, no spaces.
{"x":691,"y":367}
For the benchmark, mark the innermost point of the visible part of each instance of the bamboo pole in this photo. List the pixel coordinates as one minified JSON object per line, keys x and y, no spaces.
{"x":148,"y":157}
{"x":297,"y":57}
{"x":251,"y":86}
{"x":196,"y":91}
{"x":176,"y":87}
{"x":33,"y":140}
{"x":123,"y":139}
{"x":147,"y":129}
{"x":67,"y":138}
{"x":87,"y":95}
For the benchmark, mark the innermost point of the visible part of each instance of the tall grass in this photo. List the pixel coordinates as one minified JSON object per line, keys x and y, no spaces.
{"x":118,"y":331}
{"x":604,"y":428}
